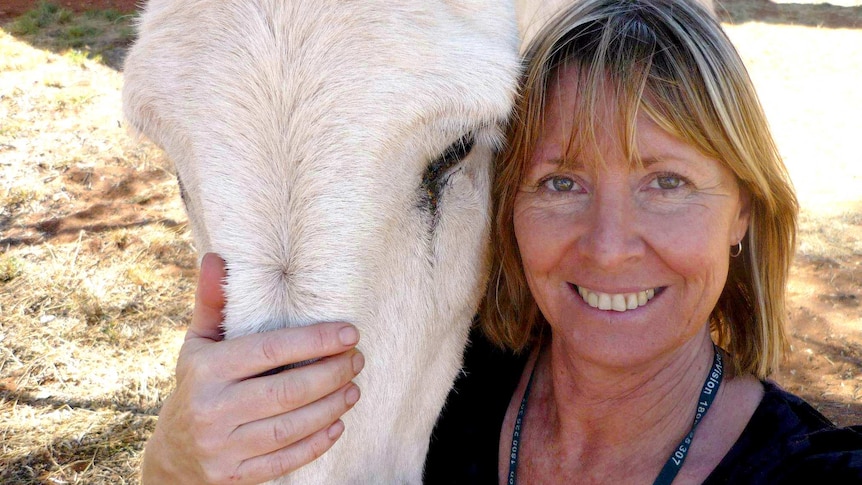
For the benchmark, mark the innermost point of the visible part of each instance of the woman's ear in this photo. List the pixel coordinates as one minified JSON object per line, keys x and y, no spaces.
{"x":743,"y":217}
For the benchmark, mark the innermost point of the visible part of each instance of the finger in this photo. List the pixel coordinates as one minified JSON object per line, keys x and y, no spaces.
{"x":276,"y":394}
{"x":286,"y":460}
{"x":271,"y":434}
{"x":209,"y":300}
{"x":255,"y":354}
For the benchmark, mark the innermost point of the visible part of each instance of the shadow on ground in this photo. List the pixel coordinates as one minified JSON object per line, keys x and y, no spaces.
{"x":103,"y":199}
{"x":72,"y":455}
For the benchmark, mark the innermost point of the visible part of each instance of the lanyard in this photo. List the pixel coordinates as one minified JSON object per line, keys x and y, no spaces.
{"x":516,"y":434}
{"x":674,"y":463}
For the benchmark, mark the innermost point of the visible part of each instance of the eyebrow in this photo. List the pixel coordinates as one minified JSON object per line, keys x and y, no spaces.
{"x":666,"y":157}
{"x":647,"y":162}
{"x":562,"y":162}
{"x":578,"y":164}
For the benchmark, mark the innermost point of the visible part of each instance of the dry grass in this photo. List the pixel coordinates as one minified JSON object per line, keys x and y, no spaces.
{"x":97,"y":270}
{"x":101,"y":35}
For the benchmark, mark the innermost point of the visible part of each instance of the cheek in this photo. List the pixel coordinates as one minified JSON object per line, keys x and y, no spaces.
{"x":541,"y":258}
{"x":541,"y":241}
{"x":526,"y":240}
{"x":699,"y":255}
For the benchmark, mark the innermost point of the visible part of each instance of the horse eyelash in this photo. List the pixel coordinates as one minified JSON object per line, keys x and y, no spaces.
{"x":432,"y":179}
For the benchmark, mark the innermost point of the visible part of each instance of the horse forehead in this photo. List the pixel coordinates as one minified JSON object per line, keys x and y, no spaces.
{"x":329,"y":59}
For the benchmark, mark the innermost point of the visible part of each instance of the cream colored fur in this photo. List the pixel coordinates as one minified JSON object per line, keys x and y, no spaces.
{"x":300,"y":131}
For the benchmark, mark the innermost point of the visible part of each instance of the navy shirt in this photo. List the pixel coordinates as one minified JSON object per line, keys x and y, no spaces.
{"x":786,"y":440}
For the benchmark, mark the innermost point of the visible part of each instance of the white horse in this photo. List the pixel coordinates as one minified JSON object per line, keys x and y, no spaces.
{"x":338,"y":156}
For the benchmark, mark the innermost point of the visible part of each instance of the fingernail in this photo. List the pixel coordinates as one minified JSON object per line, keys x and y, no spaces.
{"x":352,"y":395}
{"x":348,"y":335}
{"x":358,"y":361}
{"x":335,"y":430}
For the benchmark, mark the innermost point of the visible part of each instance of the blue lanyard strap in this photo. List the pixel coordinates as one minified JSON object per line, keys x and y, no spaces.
{"x":674,"y":463}
{"x":516,"y":434}
{"x":707,"y":396}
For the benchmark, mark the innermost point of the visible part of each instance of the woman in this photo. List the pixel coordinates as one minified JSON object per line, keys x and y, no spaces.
{"x":642,"y":211}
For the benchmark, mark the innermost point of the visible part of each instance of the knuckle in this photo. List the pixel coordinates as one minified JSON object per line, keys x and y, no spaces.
{"x":270,"y":349}
{"x":334,"y":406}
{"x":287,"y":392}
{"x":334,"y":373}
{"x":204,"y":444}
{"x":284,"y":432}
{"x":346,"y":370}
{"x":201,"y":436}
{"x":321,"y":338}
{"x":319,"y":444}
{"x":207,"y":441}
{"x":213,"y":474}
{"x":220,"y":474}
{"x":282,"y":464}
{"x":203,"y":367}
{"x":206,"y":413}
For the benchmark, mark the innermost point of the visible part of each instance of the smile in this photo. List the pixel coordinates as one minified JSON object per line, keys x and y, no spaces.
{"x":619,"y":302}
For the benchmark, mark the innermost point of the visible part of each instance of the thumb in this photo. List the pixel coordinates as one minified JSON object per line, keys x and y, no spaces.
{"x":209,"y":300}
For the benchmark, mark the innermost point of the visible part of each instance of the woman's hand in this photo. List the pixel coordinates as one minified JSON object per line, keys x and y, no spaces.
{"x":225,"y":423}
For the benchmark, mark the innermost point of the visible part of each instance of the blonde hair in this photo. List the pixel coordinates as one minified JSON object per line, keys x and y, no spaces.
{"x":671,"y":61}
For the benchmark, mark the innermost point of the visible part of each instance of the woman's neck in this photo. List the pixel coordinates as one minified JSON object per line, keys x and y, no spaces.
{"x":602,"y":413}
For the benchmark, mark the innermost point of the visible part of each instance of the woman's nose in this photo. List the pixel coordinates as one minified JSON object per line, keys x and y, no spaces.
{"x":611,"y":238}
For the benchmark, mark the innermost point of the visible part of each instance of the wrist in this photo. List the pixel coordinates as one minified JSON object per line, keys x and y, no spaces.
{"x":154,"y":467}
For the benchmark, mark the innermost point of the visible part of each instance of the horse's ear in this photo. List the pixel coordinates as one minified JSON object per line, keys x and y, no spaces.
{"x":143,"y":121}
{"x":138,"y":110}
{"x":140,"y":117}
{"x":502,"y":13}
{"x":533,"y":14}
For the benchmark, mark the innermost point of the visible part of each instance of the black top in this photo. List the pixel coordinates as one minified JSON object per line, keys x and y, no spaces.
{"x":786,"y":440}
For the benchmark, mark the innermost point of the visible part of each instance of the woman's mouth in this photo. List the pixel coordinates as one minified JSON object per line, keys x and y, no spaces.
{"x":619,"y":302}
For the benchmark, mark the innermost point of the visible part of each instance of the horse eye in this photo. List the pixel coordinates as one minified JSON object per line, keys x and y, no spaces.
{"x":432,"y":182}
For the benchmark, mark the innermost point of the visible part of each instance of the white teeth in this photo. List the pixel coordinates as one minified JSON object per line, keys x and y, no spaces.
{"x":632,"y":301}
{"x":619,"y":302}
{"x":604,"y":301}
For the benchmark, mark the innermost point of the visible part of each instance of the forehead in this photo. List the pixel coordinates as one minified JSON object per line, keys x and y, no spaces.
{"x":581,"y":119}
{"x":585,"y":123}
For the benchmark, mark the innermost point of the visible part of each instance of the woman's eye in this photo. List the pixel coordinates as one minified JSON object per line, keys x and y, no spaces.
{"x":668,"y":182}
{"x":559,"y":183}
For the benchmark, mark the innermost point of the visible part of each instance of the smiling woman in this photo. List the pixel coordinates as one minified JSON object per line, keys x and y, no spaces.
{"x":645,"y":226}
{"x":701,"y":104}
{"x":597,"y":230}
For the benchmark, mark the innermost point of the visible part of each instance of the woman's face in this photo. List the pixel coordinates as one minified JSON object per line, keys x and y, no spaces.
{"x":625,"y":262}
